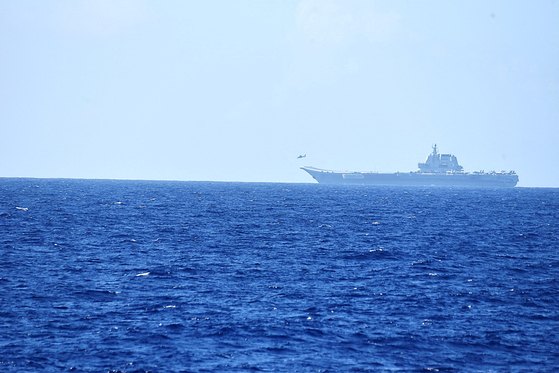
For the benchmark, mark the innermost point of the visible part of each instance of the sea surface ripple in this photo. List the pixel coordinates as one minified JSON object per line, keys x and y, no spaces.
{"x":156,"y":276}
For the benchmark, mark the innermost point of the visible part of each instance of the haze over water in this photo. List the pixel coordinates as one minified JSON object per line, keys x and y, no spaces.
{"x":236,"y":90}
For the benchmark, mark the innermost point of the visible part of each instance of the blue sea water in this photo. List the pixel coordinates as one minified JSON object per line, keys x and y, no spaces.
{"x":153,"y":276}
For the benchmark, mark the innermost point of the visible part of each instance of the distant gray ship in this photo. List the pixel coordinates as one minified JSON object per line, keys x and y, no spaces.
{"x":437,"y":170}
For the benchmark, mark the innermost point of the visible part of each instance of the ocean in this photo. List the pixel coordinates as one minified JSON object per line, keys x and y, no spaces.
{"x":161,"y":276}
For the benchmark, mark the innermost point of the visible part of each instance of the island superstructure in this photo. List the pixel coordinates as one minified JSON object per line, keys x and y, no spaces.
{"x":437,"y":170}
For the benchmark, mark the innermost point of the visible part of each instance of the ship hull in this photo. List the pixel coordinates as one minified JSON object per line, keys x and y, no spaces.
{"x":462,"y":179}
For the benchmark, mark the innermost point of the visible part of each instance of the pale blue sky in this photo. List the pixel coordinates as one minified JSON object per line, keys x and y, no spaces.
{"x":236,"y":90}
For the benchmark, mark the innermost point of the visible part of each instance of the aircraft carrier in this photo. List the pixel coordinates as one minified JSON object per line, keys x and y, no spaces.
{"x":437,"y":170}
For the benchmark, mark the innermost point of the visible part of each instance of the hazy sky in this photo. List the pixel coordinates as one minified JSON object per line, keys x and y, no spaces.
{"x":236,"y":90}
